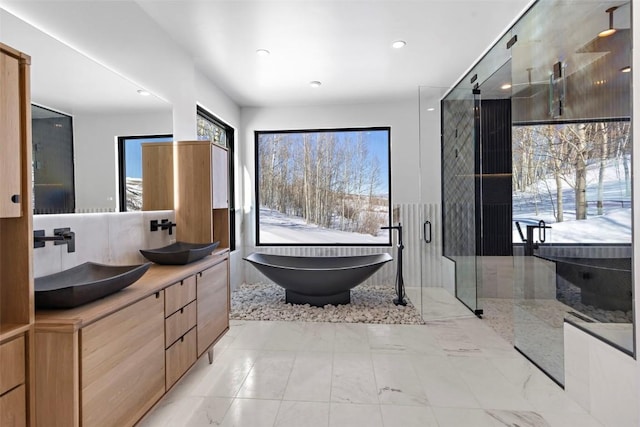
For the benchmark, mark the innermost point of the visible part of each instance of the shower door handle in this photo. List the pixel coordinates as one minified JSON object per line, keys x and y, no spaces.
{"x":425,"y":226}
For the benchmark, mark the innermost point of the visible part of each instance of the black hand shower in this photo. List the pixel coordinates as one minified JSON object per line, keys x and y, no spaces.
{"x":399,"y":279}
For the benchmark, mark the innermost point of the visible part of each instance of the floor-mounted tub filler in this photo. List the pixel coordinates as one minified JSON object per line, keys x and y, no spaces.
{"x":317,"y":280}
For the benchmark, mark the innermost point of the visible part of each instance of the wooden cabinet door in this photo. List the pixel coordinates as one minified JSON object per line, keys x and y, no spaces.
{"x":122,"y":364}
{"x":10,"y":132}
{"x":179,"y":294}
{"x":12,"y":363}
{"x":220,"y":177}
{"x":213,"y":305}
{"x":13,"y":412}
{"x":157,"y":176}
{"x":180,"y":356}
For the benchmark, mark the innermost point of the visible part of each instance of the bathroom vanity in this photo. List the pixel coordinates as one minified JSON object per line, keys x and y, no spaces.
{"x":108,"y":362}
{"x":16,"y":230}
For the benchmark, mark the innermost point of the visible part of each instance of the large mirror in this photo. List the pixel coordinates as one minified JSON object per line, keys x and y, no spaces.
{"x":100,"y":105}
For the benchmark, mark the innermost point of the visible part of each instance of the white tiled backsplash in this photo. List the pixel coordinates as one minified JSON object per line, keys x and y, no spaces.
{"x":106,"y":238}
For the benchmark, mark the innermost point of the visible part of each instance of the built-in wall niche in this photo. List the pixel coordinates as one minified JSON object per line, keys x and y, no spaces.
{"x":103,"y":105}
{"x":53,"y":170}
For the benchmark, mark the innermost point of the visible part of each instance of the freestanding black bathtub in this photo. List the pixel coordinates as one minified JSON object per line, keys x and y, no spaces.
{"x":604,"y":282}
{"x":318,"y":280}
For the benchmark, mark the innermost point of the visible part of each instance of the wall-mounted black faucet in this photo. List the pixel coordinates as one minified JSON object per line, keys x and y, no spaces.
{"x":164,"y":224}
{"x":61,"y":236}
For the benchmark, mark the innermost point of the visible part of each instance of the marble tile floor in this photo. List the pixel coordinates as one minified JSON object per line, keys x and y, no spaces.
{"x":451,"y":372}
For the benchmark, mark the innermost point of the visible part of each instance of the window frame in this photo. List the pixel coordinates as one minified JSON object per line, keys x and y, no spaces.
{"x":230,"y":146}
{"x":122,"y":166}
{"x":257,"y":134}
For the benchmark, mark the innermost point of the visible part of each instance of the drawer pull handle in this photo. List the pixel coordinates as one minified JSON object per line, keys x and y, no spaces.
{"x":182,"y":310}
{"x":182,"y":339}
{"x":15,"y":198}
{"x":157,"y":295}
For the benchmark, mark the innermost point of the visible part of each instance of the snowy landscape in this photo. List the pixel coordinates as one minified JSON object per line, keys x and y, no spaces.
{"x":613,"y":226}
{"x":323,"y":187}
{"x":278,"y":228}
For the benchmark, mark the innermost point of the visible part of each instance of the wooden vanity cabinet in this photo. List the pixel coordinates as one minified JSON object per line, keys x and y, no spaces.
{"x":11,"y":130}
{"x":108,"y":362}
{"x":202,"y":179}
{"x":16,"y":245}
{"x":13,"y":410}
{"x":108,"y":373}
{"x":180,"y":334}
{"x":13,"y":407}
{"x":202,"y":208}
{"x":122,"y":364}
{"x":213,"y":305}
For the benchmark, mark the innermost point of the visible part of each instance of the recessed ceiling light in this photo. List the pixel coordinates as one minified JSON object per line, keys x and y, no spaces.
{"x":431,"y":109}
{"x":399,"y":44}
{"x":506,"y":86}
{"x":626,"y":69}
{"x":315,"y":83}
{"x":262,"y":52}
{"x":143,"y":92}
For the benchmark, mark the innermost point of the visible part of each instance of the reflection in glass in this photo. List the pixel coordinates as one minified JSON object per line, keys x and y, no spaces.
{"x":570,"y":229}
{"x":53,"y":167}
{"x":130,"y":166}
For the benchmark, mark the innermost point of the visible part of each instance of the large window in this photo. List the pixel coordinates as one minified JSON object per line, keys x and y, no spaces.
{"x":210,"y":128}
{"x":323,"y":187}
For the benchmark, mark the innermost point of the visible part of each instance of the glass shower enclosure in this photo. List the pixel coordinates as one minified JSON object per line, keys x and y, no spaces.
{"x":536,"y":180}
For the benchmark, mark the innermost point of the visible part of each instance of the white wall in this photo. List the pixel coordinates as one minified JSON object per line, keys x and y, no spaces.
{"x":401,"y":116}
{"x":95,"y":148}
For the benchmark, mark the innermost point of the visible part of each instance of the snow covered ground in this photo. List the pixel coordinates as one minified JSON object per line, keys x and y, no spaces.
{"x":614,"y":226}
{"x":278,"y":228}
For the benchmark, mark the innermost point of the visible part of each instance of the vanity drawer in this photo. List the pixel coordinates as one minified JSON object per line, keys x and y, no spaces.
{"x":179,"y":357}
{"x":13,"y":408}
{"x":11,"y":364}
{"x":179,"y":323}
{"x":178,"y":295}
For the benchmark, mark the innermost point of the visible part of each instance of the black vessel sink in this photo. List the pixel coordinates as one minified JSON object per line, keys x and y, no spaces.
{"x":84,"y":283}
{"x":179,"y":253}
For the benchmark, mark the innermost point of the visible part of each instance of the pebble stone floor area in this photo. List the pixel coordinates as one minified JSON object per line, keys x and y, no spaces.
{"x":453,"y":371}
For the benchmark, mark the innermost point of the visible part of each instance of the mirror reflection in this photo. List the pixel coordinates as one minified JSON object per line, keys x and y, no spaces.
{"x":81,"y":109}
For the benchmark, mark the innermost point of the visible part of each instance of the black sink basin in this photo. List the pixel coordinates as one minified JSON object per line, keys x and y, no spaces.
{"x":84,"y":283}
{"x":179,"y":253}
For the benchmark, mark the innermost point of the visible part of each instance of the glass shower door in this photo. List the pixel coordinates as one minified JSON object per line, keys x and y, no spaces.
{"x":460,"y":132}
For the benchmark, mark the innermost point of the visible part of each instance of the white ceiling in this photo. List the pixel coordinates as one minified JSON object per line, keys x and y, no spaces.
{"x":344,"y":44}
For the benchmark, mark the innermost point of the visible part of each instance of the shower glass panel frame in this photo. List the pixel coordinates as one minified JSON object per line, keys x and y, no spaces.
{"x":571,"y":101}
{"x":565,"y":85}
{"x":460,"y":135}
